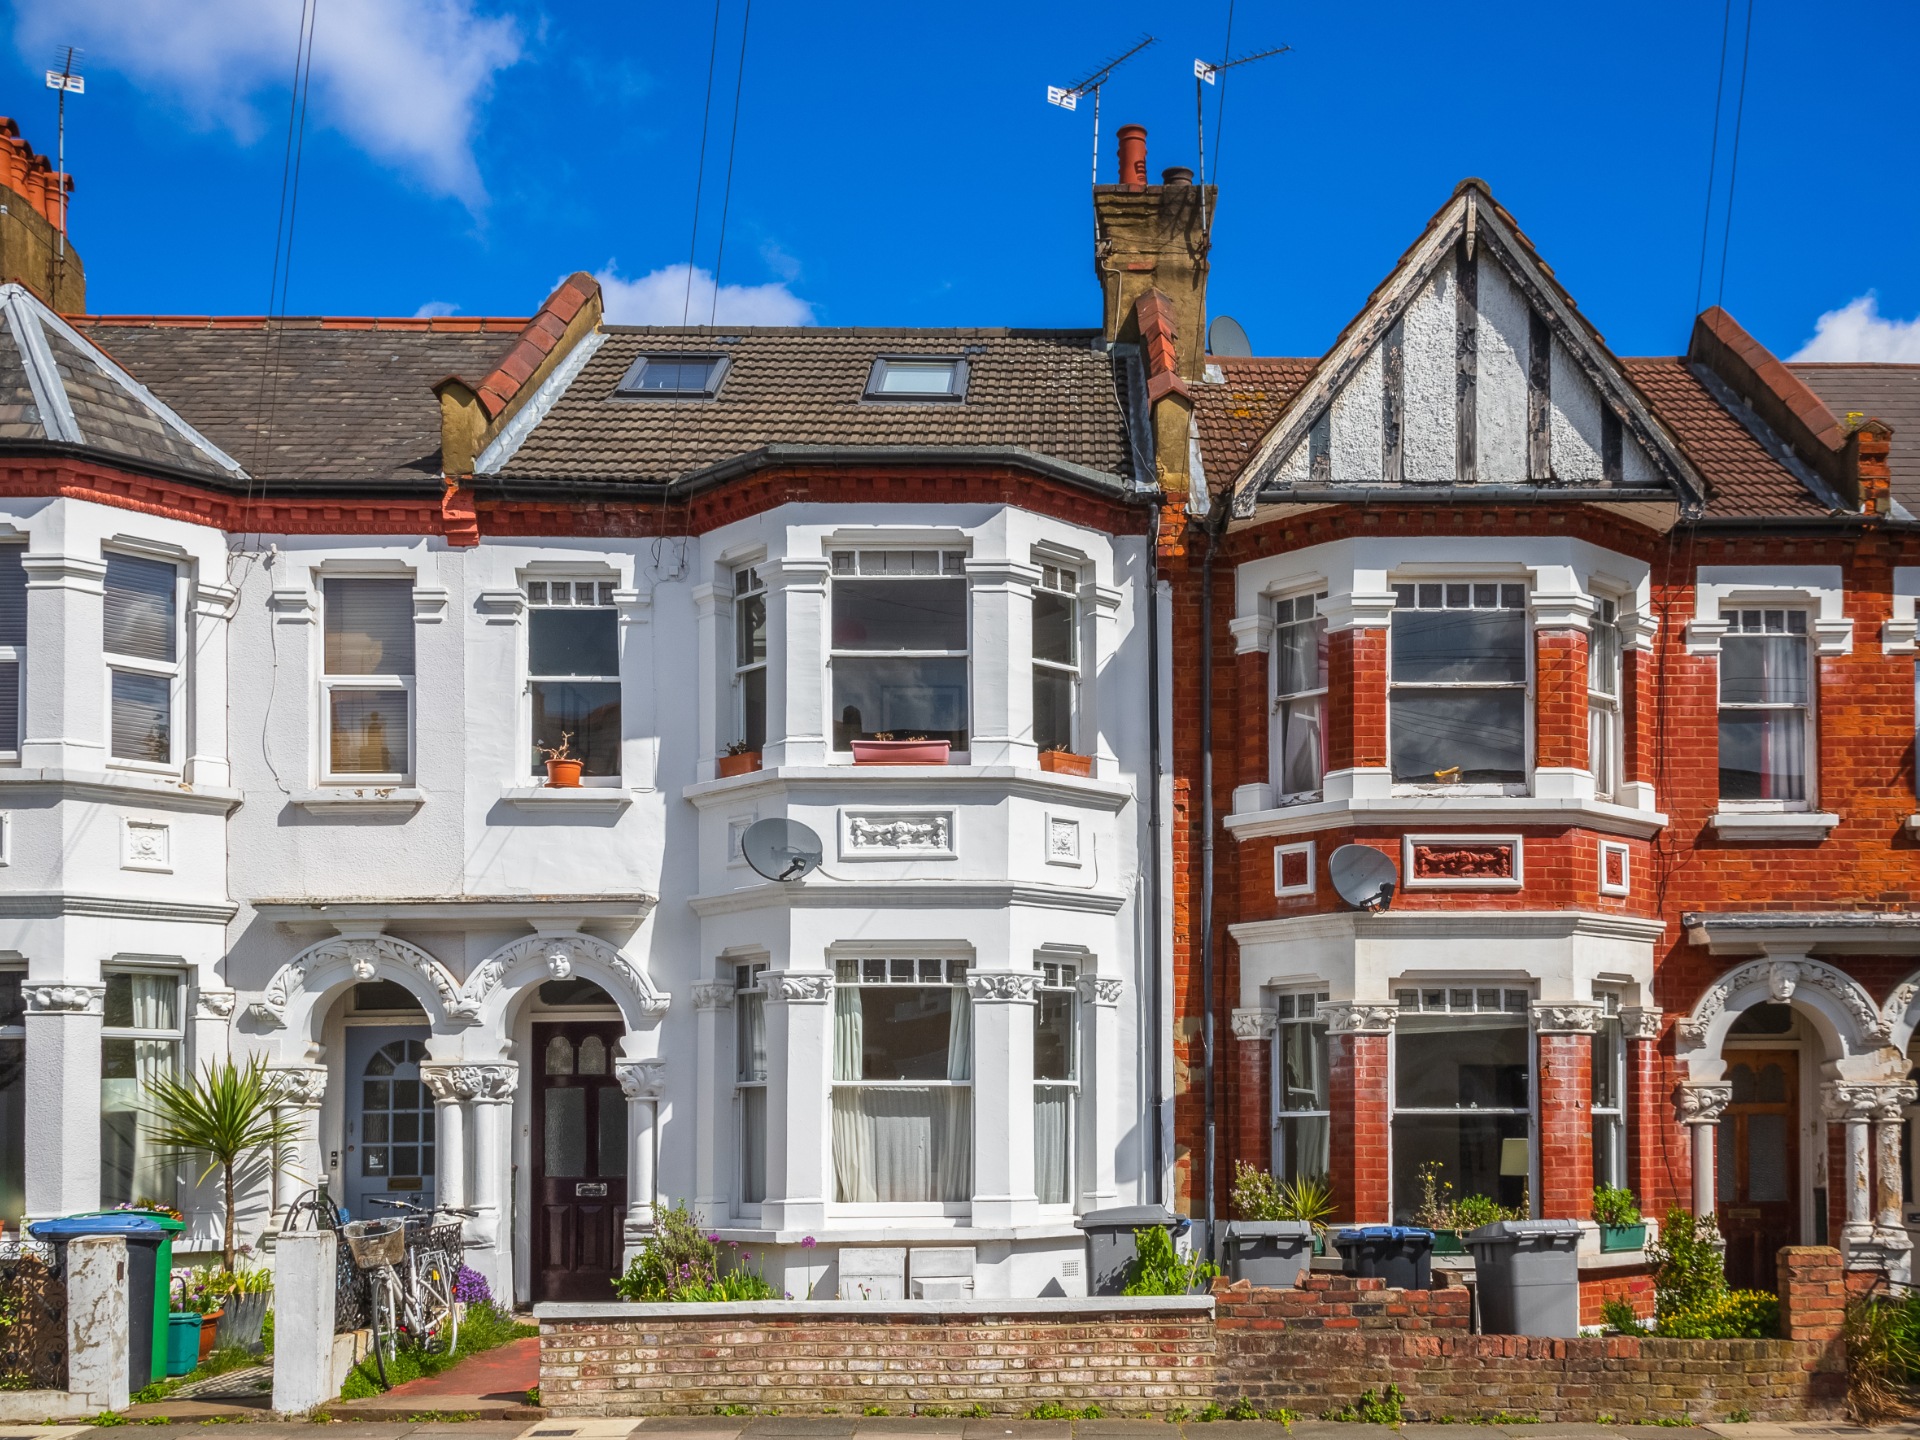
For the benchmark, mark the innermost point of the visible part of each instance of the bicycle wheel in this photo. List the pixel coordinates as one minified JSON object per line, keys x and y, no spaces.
{"x":439,"y":1319}
{"x":383,"y":1311}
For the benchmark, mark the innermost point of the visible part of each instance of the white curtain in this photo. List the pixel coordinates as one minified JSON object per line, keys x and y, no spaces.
{"x":135,"y":1171}
{"x":1052,"y":1167}
{"x":754,"y":1014}
{"x":898,"y":1143}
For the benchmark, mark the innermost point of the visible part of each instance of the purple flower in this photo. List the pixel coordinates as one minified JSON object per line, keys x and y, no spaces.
{"x":808,"y":1242}
{"x":470,"y":1286}
{"x":714,"y":1238}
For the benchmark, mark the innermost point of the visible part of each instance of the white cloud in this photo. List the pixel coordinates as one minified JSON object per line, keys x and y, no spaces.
{"x":1858,"y":331}
{"x":402,"y":79}
{"x":435,"y":308}
{"x":661,"y":298}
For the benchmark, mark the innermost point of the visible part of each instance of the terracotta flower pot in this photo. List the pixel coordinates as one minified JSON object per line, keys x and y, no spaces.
{"x":563,"y":774}
{"x":744,"y":763}
{"x":900,"y":752}
{"x":209,"y":1332}
{"x":1065,"y":762}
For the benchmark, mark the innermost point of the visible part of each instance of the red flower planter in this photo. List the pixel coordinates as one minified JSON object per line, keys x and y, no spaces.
{"x":744,"y":763}
{"x":900,"y":752}
{"x":1064,"y":762}
{"x":563,"y":774}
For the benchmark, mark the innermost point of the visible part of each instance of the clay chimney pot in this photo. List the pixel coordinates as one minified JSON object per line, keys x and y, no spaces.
{"x":1177,"y":175}
{"x":1133,"y":154}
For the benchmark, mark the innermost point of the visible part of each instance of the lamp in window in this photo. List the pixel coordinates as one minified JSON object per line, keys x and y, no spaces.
{"x":1513,"y":1157}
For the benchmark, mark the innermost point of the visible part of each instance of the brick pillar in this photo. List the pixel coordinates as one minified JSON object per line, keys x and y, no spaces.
{"x":1357,"y":1041}
{"x":1637,"y":719}
{"x":1356,"y":699}
{"x":1251,"y":1103}
{"x":1813,"y":1293}
{"x":1560,"y":699}
{"x":1653,"y":1150}
{"x":1566,"y":1103}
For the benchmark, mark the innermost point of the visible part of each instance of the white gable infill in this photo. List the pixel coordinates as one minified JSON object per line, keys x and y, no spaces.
{"x":1469,"y":370}
{"x":28,"y":321}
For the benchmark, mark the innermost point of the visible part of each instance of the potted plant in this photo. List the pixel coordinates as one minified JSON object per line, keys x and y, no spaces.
{"x":1615,"y":1211}
{"x":1449,"y":1219}
{"x":739,"y":760}
{"x":886,"y":749}
{"x":1062,"y":761}
{"x":245,"y":1297}
{"x":563,"y":766}
{"x":1278,"y":1226}
{"x":198,"y":1307}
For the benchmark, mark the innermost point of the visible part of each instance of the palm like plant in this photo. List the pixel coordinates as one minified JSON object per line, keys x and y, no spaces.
{"x":228,"y":1116}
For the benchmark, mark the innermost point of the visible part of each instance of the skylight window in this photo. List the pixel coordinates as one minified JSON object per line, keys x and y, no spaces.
{"x":674,"y":376}
{"x":917,"y":378}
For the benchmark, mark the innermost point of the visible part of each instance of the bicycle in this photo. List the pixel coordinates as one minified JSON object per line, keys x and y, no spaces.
{"x":312,"y":1210}
{"x":420,"y":1305}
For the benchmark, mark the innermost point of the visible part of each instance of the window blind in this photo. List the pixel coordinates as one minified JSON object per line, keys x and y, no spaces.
{"x":369,"y":627}
{"x":140,"y":608}
{"x":142,"y":717}
{"x":13,"y":596}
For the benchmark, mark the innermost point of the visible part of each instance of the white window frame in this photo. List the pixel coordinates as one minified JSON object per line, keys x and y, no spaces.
{"x":1281,"y":889}
{"x":536,"y":589}
{"x":1605,"y":747}
{"x":952,"y":566}
{"x":1292,"y":611}
{"x":748,"y":585}
{"x":1064,"y":582}
{"x":1299,"y":1010}
{"x":1062,"y":977}
{"x":749,"y":982}
{"x":1734,"y":617}
{"x":330,"y":683}
{"x":16,"y":655}
{"x":1525,"y":686}
{"x":175,"y":673}
{"x":1613,"y":1117}
{"x":179,"y":1036}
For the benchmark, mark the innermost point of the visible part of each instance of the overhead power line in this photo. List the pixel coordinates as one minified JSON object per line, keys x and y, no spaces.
{"x":733,"y":139}
{"x":700,"y":172}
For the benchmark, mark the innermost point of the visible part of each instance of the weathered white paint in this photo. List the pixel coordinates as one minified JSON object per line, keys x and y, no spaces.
{"x":1429,"y":404}
{"x":1500,"y":400}
{"x":1355,"y":439}
{"x":1574,"y":421}
{"x":304,"y":1265}
{"x":97,"y":1320}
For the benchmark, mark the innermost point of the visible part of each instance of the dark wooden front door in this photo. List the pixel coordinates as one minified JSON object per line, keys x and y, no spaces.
{"x":579,"y":1161}
{"x":1759,"y":1164}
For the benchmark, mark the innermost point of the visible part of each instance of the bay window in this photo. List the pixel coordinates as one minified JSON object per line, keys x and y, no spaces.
{"x":1609,"y":1097}
{"x":749,"y":658}
{"x":1056,"y":1075}
{"x":900,"y":646}
{"x":1462,"y":1092}
{"x":1766,"y":708}
{"x":13,"y":654}
{"x":1301,"y":1106}
{"x":1300,"y":693}
{"x":143,"y":1038}
{"x":1603,"y":698}
{"x":141,"y":640}
{"x":573,"y":673}
{"x":902,"y":1081}
{"x":1457,"y":697}
{"x":367,"y":679}
{"x":1056,"y":658}
{"x":750,"y":1077}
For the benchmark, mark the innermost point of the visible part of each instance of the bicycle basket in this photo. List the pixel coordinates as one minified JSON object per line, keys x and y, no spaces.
{"x":375,"y":1242}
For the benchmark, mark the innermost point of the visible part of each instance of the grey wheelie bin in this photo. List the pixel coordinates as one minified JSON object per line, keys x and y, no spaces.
{"x":1110,"y":1245}
{"x":1528,"y":1276}
{"x":1269,"y":1254}
{"x":1401,"y":1255}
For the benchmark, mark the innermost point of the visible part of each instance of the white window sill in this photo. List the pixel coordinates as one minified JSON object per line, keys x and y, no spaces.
{"x":1092,"y":791}
{"x":1774,"y":826}
{"x":161,"y":792}
{"x":569,"y":799}
{"x":1448,"y":809}
{"x":362,"y":799}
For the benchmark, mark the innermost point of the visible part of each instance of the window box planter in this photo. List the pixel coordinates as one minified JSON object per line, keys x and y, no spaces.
{"x":900,"y":752}
{"x":1448,"y":1242}
{"x":744,"y":763}
{"x":1270,"y":1254}
{"x":1065,"y":762}
{"x":1622,"y":1237}
{"x":563,"y":774}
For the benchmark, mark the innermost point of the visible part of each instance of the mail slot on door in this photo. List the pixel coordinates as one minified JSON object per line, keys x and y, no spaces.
{"x":591,"y":1190}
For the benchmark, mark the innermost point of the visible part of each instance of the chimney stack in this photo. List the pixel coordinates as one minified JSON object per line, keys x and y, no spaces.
{"x":30,"y":226}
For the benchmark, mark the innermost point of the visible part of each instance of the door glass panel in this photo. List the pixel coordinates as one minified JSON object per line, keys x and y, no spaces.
{"x":1724,"y":1158}
{"x":1766,"y":1159}
{"x":593,"y":1056}
{"x":566,"y":1133}
{"x":1741,"y":1077}
{"x":613,"y":1133}
{"x":559,"y":1056}
{"x":1772,"y":1085}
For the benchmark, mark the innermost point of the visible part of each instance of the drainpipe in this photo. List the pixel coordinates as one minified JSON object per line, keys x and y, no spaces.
{"x":1156,"y":775}
{"x":1206,"y":863}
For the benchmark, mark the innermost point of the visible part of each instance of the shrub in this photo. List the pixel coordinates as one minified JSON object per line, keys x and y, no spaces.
{"x":681,"y":1263}
{"x":1614,"y":1205}
{"x":1881,"y":1357}
{"x":1689,"y":1274}
{"x":1257,"y":1195}
{"x":1158,"y":1269}
{"x":1620,"y":1315}
{"x":1732,"y":1315}
{"x":1438,"y":1210}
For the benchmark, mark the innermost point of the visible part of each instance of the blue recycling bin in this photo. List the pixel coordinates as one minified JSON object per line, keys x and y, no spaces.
{"x":1402,"y":1255}
{"x":143,"y":1239}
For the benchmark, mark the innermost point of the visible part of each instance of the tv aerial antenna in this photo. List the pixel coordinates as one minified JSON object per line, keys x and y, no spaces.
{"x":1206,"y":73}
{"x":1067,"y":97}
{"x":68,"y":81}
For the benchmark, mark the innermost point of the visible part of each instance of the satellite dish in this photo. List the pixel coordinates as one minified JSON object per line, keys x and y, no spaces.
{"x":1364,"y":877}
{"x":781,"y":849}
{"x":1225,"y":337}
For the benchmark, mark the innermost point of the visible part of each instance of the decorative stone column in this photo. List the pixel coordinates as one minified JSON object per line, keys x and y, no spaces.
{"x":208,"y":611}
{"x":491,"y":1244}
{"x":641,"y":1081}
{"x":799,"y":1064}
{"x":1701,"y":1106}
{"x":1254,"y":1028}
{"x":298,"y":1092}
{"x":63,"y":1098}
{"x":1100,"y":605}
{"x":63,"y":720}
{"x":1563,"y":1159}
{"x":1890,"y":1236}
{"x":714,"y":674}
{"x":1873,"y":1236}
{"x":1852,"y":1105}
{"x":713,"y":1108}
{"x":1003,"y":1183}
{"x":1648,"y":1123}
{"x":450,"y":1090}
{"x":1000,"y":593}
{"x":797,"y":700}
{"x":1360,"y":1109}
{"x":1102,"y":1073}
{"x":1637,"y":685}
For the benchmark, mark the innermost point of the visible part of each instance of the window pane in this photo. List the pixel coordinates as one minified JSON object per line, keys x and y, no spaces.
{"x":573,"y":642}
{"x":1053,"y":1036}
{"x":902,"y":1145}
{"x":367,"y":732}
{"x":9,"y":705}
{"x":142,"y":717}
{"x":13,"y":1124}
{"x":749,"y":630}
{"x":1053,"y":637}
{"x":1303,"y":746}
{"x":142,"y":1002}
{"x":1763,"y":670}
{"x":13,"y":596}
{"x":1609,"y":1151}
{"x":566,"y":1132}
{"x":1482,"y":732}
{"x":917,"y":377}
{"x":1766,"y":1159}
{"x":1469,"y":1147}
{"x":369,"y":627}
{"x":139,"y":608}
{"x":589,"y":712}
{"x":131,"y":1165}
{"x":675,"y":376}
{"x":924,"y":697}
{"x":1603,"y":659}
{"x":1052,"y":1137}
{"x":612,"y":1151}
{"x":1303,"y":1067}
{"x":906,"y":1030}
{"x":1455,"y":645}
{"x":753,"y":708}
{"x":751,"y":1036}
{"x":1600,"y":748}
{"x":753,"y":1145}
{"x":13,"y":1004}
{"x":1465,"y":1066}
{"x":1606,"y":1060}
{"x":1301,"y":1146}
{"x":1301,"y":656}
{"x":900,"y":614}
{"x":1052,"y":709}
{"x":1763,"y":755}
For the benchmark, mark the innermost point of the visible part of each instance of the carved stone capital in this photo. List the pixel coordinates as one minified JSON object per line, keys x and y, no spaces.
{"x":1353,"y":1018}
{"x":213,"y":1004}
{"x":1100,"y":989}
{"x":1570,"y":1019}
{"x":66,"y":999}
{"x":1254,"y":1023}
{"x":1003,"y":987}
{"x":714,"y":995}
{"x":642,"y":1079}
{"x":1641,"y":1022}
{"x":799,"y":987}
{"x":302,"y":1085}
{"x":1859,"y":1100}
{"x":492,"y":1083}
{"x":1890,"y":1103}
{"x":1703,"y":1104}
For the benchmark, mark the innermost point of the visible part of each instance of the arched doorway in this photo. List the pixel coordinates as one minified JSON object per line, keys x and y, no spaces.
{"x":388,"y":1140}
{"x":1757,"y":1151}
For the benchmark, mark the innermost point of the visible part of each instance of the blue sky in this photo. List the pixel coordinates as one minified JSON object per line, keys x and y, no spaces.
{"x":899,"y":164}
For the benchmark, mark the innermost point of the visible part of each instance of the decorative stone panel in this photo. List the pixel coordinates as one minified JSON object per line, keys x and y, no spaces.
{"x":896,"y":835}
{"x":1460,"y":862}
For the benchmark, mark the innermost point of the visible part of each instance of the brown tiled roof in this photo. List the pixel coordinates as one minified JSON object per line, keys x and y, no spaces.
{"x":1051,"y":393}
{"x":1884,"y":392}
{"x":1742,"y":478}
{"x":1235,"y":416}
{"x":348,"y":400}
